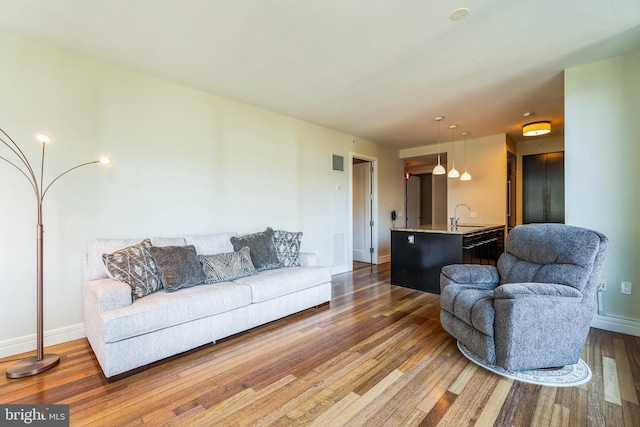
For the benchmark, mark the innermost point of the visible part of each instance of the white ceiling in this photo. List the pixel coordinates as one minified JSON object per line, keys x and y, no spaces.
{"x":376,"y":69}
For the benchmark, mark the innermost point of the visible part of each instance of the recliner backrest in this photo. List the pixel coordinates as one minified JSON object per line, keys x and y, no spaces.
{"x":551,"y":253}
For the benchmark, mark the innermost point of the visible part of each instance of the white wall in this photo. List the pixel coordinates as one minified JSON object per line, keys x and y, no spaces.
{"x":486,"y":192}
{"x":602,"y":151}
{"x":184,"y":161}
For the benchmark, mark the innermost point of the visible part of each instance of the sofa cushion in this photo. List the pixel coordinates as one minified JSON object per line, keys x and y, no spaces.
{"x":178,"y":266}
{"x":274,"y":283}
{"x":163,"y":309}
{"x":135,"y":266}
{"x":211,"y":244}
{"x":263,"y":251}
{"x":227,"y":266}
{"x":287,"y":245}
{"x":95,"y":268}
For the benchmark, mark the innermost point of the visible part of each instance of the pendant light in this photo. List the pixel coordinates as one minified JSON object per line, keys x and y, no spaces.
{"x":465,"y":176}
{"x":453,"y":173}
{"x":439,"y":169}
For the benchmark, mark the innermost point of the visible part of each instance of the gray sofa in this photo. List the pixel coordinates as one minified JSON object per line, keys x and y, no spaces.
{"x":534,"y":309}
{"x":127,"y":332}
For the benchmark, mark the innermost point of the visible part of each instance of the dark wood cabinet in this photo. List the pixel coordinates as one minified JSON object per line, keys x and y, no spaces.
{"x":483,"y":247}
{"x":543,"y":188}
{"x":418,"y":256}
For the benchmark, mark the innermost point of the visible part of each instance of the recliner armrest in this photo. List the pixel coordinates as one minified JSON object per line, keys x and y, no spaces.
{"x":485,"y":276}
{"x":526,"y":290}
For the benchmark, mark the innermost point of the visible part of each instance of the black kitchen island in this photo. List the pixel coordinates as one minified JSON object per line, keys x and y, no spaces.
{"x":419,"y":253}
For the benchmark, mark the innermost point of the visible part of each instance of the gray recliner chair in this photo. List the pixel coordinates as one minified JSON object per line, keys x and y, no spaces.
{"x":534,"y":309}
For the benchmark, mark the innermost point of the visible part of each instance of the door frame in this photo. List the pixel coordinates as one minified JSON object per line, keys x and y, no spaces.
{"x":374,"y":213}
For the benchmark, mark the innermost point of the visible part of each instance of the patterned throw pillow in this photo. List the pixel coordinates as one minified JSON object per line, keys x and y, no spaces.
{"x":135,"y":266}
{"x":227,"y":266}
{"x":287,"y":245}
{"x":178,"y":266}
{"x":263,"y":251}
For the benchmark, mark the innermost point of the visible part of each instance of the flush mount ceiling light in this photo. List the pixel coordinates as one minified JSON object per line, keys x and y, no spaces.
{"x":535,"y":128}
{"x":459,"y":14}
{"x":439,"y":169}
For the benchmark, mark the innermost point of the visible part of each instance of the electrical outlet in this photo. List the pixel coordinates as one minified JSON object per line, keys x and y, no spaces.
{"x":473,"y":215}
{"x":602,"y":285}
{"x":625,"y":288}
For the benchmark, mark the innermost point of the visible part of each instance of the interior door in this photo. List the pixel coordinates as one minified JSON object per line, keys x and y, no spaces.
{"x":413,"y":201}
{"x":362,"y":216}
{"x":555,"y":187}
{"x":426,"y":199}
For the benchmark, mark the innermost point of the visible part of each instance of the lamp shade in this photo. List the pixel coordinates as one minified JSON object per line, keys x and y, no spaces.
{"x":439,"y":170}
{"x":536,"y":128}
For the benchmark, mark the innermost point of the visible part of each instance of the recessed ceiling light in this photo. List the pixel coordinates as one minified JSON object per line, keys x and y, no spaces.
{"x":459,"y":14}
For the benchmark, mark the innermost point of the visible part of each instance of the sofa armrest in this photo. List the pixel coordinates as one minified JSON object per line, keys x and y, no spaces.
{"x":106,"y":295}
{"x":309,"y":259}
{"x":527,"y":290}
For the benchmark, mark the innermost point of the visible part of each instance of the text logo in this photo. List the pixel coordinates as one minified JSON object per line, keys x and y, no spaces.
{"x":34,"y":415}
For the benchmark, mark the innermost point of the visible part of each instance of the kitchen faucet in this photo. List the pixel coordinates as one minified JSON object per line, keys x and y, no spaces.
{"x":454,"y":220}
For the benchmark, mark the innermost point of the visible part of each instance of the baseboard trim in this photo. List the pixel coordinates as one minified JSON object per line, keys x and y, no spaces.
{"x":623,"y":325}
{"x":28,"y":343}
{"x":384,"y":258}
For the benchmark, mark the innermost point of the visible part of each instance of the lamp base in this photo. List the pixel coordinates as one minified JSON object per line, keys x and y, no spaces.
{"x":32,"y":366}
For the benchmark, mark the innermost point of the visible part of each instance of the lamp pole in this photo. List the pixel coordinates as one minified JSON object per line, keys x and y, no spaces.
{"x":41,"y":362}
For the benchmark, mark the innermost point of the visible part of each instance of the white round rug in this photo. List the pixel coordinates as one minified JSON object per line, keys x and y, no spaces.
{"x":567,"y":376}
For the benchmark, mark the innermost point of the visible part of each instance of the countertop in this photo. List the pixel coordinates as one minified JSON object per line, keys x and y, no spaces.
{"x":446,"y":229}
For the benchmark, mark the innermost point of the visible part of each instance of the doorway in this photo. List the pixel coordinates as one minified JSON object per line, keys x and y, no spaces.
{"x":413,"y":205}
{"x":419,"y":200}
{"x":425,"y":193}
{"x":364,"y":208}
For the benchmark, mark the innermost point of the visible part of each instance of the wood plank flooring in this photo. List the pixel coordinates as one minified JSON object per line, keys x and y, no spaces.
{"x":375,"y":356}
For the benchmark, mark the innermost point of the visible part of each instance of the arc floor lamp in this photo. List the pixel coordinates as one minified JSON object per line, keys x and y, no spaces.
{"x":40,"y":362}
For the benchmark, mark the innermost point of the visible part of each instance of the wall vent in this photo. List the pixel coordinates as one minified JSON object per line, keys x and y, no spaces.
{"x":338,"y":163}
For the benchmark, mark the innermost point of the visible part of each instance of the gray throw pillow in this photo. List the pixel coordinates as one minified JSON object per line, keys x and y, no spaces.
{"x":227,"y":266}
{"x":263,"y":250}
{"x":135,"y":266}
{"x":287,"y":245}
{"x":178,"y":266}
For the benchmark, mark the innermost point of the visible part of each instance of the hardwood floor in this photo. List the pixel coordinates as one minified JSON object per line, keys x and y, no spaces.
{"x":375,"y":356}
